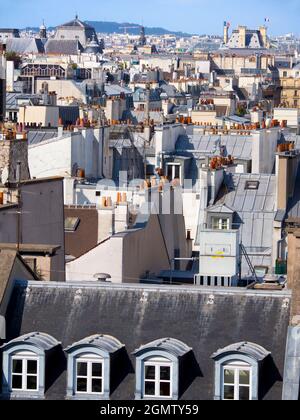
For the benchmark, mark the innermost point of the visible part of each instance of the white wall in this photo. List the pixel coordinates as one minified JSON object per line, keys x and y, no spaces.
{"x":263,"y":150}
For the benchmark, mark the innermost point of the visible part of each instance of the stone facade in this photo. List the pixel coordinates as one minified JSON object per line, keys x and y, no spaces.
{"x":12,"y":152}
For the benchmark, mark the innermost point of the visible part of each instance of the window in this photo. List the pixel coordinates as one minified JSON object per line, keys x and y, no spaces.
{"x":238,"y":370}
{"x":220,"y":223}
{"x":158,"y":367}
{"x":89,"y":375}
{"x":251,"y":185}
{"x":89,"y":366}
{"x":71,"y":224}
{"x":24,"y":372}
{"x":157,"y":378}
{"x":236,"y":381}
{"x":173,"y":171}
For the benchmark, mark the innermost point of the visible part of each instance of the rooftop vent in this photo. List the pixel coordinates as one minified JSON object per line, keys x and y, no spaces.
{"x":103,"y":277}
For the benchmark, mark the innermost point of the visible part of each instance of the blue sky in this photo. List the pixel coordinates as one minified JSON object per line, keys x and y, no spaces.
{"x":196,"y":16}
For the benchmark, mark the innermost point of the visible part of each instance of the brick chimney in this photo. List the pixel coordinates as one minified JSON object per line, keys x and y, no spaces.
{"x":286,"y":170}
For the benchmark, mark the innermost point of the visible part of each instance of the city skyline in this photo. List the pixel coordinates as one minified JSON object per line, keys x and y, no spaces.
{"x":167,"y":14}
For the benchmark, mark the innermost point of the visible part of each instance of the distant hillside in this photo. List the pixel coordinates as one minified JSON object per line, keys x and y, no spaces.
{"x":114,"y":27}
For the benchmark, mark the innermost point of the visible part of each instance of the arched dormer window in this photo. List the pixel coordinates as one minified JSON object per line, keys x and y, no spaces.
{"x":89,"y":367}
{"x":24,"y":365}
{"x":158,"y":369}
{"x":237,"y":371}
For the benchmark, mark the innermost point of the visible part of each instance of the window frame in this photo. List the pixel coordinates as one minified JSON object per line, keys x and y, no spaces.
{"x":89,"y":359}
{"x":157,"y":363}
{"x":236,"y":366}
{"x":225,"y":360}
{"x":174,"y":166}
{"x":24,"y":357}
{"x":89,"y":352}
{"x":217,"y":220}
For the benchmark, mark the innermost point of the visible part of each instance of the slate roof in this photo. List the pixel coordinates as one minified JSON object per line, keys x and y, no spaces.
{"x":140,"y":314}
{"x":76,"y":23}
{"x":25,"y":45}
{"x":63,"y":46}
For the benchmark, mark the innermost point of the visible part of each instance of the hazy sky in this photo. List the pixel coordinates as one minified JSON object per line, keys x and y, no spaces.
{"x":196,"y":16}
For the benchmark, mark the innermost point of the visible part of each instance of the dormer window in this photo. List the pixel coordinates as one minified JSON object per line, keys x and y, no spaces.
{"x":220,"y":223}
{"x":158,"y":366}
{"x":90,"y":362}
{"x":25,"y":360}
{"x":237,"y":371}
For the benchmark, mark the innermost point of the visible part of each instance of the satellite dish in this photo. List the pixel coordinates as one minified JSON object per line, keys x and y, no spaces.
{"x":4,"y":176}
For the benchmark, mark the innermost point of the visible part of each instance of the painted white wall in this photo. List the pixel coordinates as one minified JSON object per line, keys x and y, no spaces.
{"x":263,"y":150}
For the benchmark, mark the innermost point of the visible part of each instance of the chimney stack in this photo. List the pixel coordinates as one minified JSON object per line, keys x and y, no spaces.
{"x":226,"y":33}
{"x":242,"y":36}
{"x":286,"y":170}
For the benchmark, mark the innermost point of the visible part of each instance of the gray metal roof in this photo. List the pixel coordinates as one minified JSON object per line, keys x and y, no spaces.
{"x":116,"y":90}
{"x":220,"y":208}
{"x":105,"y":343}
{"x":294,"y":203}
{"x":38,"y":136}
{"x":40,"y":340}
{"x":170,"y":345}
{"x":255,"y":351}
{"x":254,"y":214}
{"x":240,"y":147}
{"x":25,"y":45}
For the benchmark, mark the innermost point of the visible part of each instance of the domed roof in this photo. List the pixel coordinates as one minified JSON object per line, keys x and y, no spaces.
{"x":93,"y":47}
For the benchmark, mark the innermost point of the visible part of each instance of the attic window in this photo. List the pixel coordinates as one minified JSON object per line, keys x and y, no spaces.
{"x":251,"y":185}
{"x":71,"y":224}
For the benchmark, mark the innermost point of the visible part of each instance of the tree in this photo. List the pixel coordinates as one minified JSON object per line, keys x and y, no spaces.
{"x":13,"y":56}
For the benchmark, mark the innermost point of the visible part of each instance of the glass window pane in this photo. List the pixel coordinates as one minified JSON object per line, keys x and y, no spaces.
{"x":97,"y":385}
{"x":149,"y":388}
{"x":32,"y":366}
{"x":149,"y":372}
{"x":17,"y":366}
{"x":17,"y":382}
{"x":81,"y":369}
{"x":32,"y":382}
{"x":165,"y":373}
{"x":228,"y":392}
{"x":81,"y":385}
{"x":228,"y":376}
{"x":244,"y":393}
{"x":97,"y":369}
{"x":244,"y":377}
{"x":165,"y":389}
